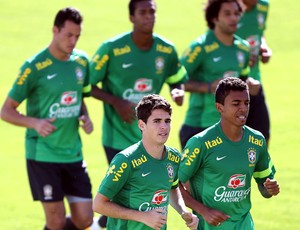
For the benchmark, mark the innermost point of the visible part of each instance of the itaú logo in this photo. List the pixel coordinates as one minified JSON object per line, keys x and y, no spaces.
{"x":159,"y":197}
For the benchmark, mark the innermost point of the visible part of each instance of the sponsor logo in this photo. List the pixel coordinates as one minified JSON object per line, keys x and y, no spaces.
{"x":139,"y":161}
{"x":145,"y":174}
{"x":173,"y":158}
{"x":232,"y":196}
{"x":146,"y":206}
{"x":255,"y":141}
{"x":64,"y":112}
{"x":49,"y":77}
{"x":237,"y":181}
{"x":120,"y":51}
{"x":48,"y":191}
{"x":143,"y":85}
{"x":230,"y":74}
{"x":117,"y":174}
{"x":100,"y":61}
{"x":125,"y":66}
{"x":220,"y":158}
{"x":212,"y":47}
{"x":164,"y":49}
{"x":69,"y":98}
{"x":217,"y":59}
{"x":160,"y":197}
{"x":190,"y":157}
{"x":22,"y":77}
{"x":44,"y":64}
{"x":213,"y":143}
{"x":192,"y":54}
{"x":81,"y":61}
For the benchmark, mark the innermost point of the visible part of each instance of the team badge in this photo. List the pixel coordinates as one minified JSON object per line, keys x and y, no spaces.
{"x":159,"y":65}
{"x":251,"y":155}
{"x":79,"y":75}
{"x":261,"y":20}
{"x":170,"y":171}
{"x":241,"y":58}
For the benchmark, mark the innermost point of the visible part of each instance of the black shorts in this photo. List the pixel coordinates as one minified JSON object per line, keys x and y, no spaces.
{"x":110,"y":153}
{"x":186,"y":132}
{"x":258,"y":117}
{"x":53,"y":181}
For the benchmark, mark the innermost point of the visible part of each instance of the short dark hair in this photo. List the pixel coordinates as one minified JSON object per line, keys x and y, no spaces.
{"x":212,"y":10}
{"x":65,"y":14}
{"x":226,"y":85}
{"x":132,"y":5}
{"x":149,"y":103}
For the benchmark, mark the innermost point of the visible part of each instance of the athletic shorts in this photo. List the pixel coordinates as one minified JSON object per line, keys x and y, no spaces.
{"x":51,"y":182}
{"x":110,"y":153}
{"x":186,"y":132}
{"x":258,"y":117}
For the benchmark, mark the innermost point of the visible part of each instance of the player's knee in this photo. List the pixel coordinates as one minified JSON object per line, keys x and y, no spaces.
{"x":84,"y":221}
{"x":56,"y":223}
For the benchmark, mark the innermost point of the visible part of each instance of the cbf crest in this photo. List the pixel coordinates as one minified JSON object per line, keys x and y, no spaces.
{"x":241,"y":58}
{"x":170,"y":170}
{"x":79,"y":75}
{"x":159,"y":65}
{"x":251,"y":156}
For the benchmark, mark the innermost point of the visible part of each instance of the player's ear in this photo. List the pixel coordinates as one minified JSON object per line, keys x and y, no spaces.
{"x":141,"y":124}
{"x":131,"y":18}
{"x":219,"y":107}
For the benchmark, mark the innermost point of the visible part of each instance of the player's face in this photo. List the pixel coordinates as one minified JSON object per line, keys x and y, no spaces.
{"x":67,"y":37}
{"x":156,"y":130}
{"x":144,"y":16}
{"x":235,"y":109}
{"x":228,"y":18}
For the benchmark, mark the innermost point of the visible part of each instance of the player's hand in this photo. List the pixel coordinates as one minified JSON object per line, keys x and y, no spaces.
{"x":44,"y":126}
{"x":265,"y":54}
{"x":214,"y":217}
{"x":86,"y":124}
{"x":155,"y":218}
{"x":191,"y":220}
{"x":177,"y":96}
{"x":272,"y":186}
{"x":125,"y":109}
{"x":254,"y":86}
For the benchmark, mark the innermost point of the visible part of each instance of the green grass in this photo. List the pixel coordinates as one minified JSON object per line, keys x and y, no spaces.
{"x":26,"y":28}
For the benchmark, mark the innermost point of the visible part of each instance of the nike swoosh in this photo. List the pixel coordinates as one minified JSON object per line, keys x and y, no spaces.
{"x":220,"y":158}
{"x":216,"y":59}
{"x":145,"y":174}
{"x":124,"y":66}
{"x":51,"y":76}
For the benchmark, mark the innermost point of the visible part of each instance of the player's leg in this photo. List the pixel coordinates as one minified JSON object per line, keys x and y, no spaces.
{"x":78,"y":190}
{"x":186,"y":132}
{"x":45,"y":184}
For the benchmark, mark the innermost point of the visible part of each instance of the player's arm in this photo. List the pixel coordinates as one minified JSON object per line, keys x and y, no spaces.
{"x":10,"y":114}
{"x":265,"y":51}
{"x":124,"y":108}
{"x":178,"y":204}
{"x":211,"y":216}
{"x":85,"y":120}
{"x":269,"y":188}
{"x":155,"y":219}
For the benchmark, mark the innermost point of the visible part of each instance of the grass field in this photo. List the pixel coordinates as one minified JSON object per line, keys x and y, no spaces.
{"x":26,"y":29}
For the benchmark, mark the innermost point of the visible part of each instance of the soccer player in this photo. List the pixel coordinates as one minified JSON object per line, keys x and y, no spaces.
{"x":215,"y":55}
{"x":54,"y":82}
{"x":143,"y":179}
{"x":128,"y":67}
{"x":219,"y":163}
{"x":251,"y":27}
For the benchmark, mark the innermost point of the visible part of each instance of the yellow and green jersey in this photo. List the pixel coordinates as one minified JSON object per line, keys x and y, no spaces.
{"x":206,"y":60}
{"x":128,"y":72}
{"x":53,"y":89}
{"x":220,"y":173}
{"x":251,"y":27}
{"x":138,"y":181}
